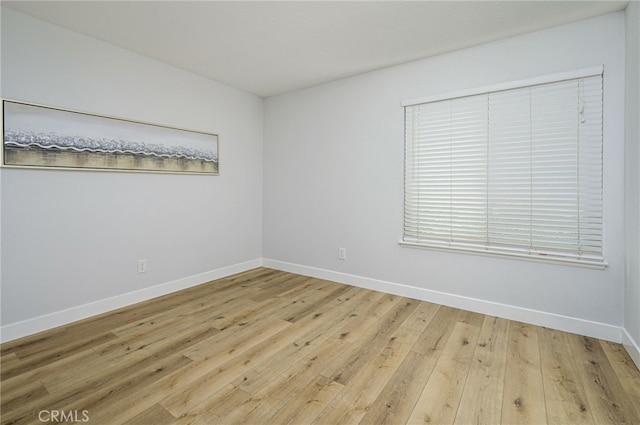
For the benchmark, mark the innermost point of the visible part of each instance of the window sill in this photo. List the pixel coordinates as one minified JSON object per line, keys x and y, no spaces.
{"x":590,"y":264}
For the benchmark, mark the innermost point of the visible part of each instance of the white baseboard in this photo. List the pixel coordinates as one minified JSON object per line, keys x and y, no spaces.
{"x":49,"y":321}
{"x":535,"y":317}
{"x":564,"y":323}
{"x":632,"y":347}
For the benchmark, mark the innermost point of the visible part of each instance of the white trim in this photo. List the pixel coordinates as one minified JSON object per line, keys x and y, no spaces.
{"x":535,"y":317}
{"x":569,"y":75}
{"x":488,"y":252}
{"x":631,"y":346}
{"x":48,"y":321}
{"x":555,"y":321}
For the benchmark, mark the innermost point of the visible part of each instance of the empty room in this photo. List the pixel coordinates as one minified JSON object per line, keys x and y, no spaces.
{"x":320,"y":212}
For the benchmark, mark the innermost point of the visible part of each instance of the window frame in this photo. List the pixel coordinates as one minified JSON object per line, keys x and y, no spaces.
{"x":494,"y":251}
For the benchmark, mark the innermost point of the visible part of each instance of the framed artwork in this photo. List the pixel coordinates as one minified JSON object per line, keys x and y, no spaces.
{"x":36,"y":136}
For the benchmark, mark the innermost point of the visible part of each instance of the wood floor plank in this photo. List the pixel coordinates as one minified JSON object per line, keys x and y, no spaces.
{"x":155,"y":415}
{"x":608,"y":400}
{"x":421,"y":316}
{"x":565,"y":397}
{"x":213,"y":360}
{"x":396,"y":402}
{"x":122,"y":400}
{"x":28,"y":393}
{"x":254,"y":411}
{"x":440,"y":397}
{"x":274,"y":289}
{"x":301,"y":357}
{"x":308,"y":402}
{"x":67,"y":341}
{"x":312,"y":305}
{"x":216,"y":408}
{"x":9,"y":359}
{"x":295,"y":310}
{"x":101,"y":397}
{"x":77,"y":365}
{"x":145,"y":338}
{"x":272,"y":347}
{"x":260,"y":380}
{"x":59,"y":352}
{"x":302,"y":372}
{"x":523,"y":401}
{"x":226,"y":345}
{"x":236,"y":312}
{"x":625,"y":369}
{"x":135,"y":395}
{"x":376,"y":305}
{"x":94,"y":369}
{"x":318,"y":284}
{"x":372,"y":340}
{"x":283,"y":392}
{"x":149,"y":365}
{"x":481,"y":401}
{"x":207,"y":309}
{"x":221,"y":375}
{"x":367,"y":382}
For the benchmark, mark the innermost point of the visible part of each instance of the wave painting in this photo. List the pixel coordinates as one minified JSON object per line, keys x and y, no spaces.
{"x":48,"y":137}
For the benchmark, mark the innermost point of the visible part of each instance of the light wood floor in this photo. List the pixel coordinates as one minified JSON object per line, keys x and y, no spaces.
{"x":268,"y":347}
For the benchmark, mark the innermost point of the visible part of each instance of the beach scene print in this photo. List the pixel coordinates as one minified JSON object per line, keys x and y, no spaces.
{"x":38,"y":136}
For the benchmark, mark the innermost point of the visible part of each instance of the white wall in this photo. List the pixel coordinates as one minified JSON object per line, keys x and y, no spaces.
{"x":632,"y":183}
{"x":70,"y":238}
{"x":333,"y":177}
{"x":0,"y":189}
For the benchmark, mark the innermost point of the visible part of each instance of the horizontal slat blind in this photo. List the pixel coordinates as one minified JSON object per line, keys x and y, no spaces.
{"x":514,"y":171}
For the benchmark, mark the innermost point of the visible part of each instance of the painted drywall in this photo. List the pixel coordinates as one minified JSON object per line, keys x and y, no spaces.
{"x":70,"y":238}
{"x":333,"y":175}
{"x":632,"y":181}
{"x":0,"y":182}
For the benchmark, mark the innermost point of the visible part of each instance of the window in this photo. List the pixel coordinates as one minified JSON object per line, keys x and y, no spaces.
{"x":513,"y":170}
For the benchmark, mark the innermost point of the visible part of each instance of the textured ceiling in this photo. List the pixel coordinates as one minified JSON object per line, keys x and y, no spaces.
{"x":272,"y":47}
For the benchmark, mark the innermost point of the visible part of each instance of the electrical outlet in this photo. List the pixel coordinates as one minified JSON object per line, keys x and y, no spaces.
{"x":142,"y":265}
{"x":342,"y":253}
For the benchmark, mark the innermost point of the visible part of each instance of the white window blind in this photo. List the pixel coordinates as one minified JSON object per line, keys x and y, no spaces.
{"x":515,"y":171}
